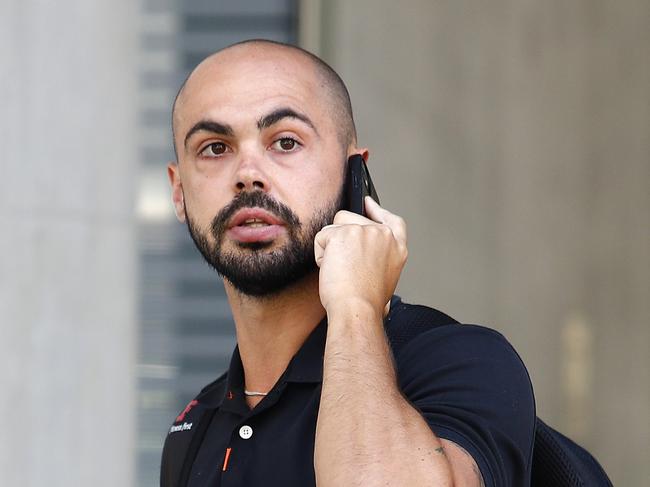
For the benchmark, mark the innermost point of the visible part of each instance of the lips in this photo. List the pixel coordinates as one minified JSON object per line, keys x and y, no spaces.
{"x":249,"y":216}
{"x":254,"y":225}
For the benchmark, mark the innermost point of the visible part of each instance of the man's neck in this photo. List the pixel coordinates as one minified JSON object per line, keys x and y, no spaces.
{"x":271,"y":330}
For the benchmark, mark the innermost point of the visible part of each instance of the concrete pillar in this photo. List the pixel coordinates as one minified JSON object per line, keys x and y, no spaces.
{"x":67,"y":262}
{"x":513,"y":137}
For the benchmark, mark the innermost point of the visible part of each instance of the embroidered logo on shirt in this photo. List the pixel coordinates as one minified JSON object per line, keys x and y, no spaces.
{"x":181,"y":427}
{"x":181,"y":416}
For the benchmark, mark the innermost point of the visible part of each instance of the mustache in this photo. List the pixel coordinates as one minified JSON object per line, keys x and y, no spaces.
{"x":252,"y":199}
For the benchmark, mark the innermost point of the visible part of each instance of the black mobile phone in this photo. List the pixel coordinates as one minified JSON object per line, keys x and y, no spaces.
{"x":358,"y":185}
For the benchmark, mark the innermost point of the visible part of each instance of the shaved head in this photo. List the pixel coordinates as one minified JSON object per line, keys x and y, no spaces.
{"x":334,"y":90}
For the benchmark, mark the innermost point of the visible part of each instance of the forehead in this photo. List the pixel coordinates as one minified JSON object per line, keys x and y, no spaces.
{"x":247,"y":81}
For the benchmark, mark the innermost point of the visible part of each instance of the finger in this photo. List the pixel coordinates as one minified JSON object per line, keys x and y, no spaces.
{"x":331,"y":225}
{"x":374,"y":211}
{"x":320,"y":242}
{"x":382,"y":215}
{"x":345,"y":217}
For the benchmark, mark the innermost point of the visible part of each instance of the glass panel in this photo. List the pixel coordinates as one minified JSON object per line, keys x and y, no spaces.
{"x":186,"y":332}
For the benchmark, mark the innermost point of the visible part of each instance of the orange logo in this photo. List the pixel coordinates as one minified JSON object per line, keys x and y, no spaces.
{"x":181,"y":416}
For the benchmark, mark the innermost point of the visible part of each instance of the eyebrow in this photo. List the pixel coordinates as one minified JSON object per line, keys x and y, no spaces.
{"x":281,"y":113}
{"x":209,"y":126}
{"x":265,"y":122}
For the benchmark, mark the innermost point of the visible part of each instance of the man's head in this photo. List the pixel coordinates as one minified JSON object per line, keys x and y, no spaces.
{"x":333,"y":87}
{"x":262,"y":132}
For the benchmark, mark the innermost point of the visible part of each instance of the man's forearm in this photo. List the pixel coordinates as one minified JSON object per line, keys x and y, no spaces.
{"x":367,"y":433}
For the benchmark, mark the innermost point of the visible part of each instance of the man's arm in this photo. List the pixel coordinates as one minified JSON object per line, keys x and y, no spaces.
{"x":367,"y":433}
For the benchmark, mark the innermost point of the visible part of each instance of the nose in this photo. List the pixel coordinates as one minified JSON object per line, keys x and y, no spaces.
{"x":249,"y":175}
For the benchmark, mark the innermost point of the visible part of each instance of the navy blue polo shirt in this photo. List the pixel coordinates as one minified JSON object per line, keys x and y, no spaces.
{"x":466,"y":380}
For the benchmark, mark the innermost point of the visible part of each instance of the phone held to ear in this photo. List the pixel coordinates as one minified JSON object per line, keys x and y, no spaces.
{"x":358,"y":185}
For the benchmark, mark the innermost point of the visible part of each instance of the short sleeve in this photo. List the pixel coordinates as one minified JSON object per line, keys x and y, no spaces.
{"x":473,"y":389}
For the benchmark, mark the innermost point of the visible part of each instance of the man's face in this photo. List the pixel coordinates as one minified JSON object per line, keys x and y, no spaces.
{"x":260,"y":165}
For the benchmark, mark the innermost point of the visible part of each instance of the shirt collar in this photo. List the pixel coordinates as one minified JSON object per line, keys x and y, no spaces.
{"x":307,"y":364}
{"x":305,"y":367}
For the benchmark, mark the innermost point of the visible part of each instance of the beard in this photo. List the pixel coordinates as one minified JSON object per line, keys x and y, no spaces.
{"x":252,"y":269}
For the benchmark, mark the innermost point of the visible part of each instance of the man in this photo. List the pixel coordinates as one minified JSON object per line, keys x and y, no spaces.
{"x":316,"y":393}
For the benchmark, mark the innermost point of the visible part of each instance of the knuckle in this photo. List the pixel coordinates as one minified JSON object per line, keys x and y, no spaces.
{"x":341,"y":217}
{"x":405,"y":254}
{"x":385,"y":230}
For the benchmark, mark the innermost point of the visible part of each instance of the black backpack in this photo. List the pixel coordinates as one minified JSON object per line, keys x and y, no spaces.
{"x":557,"y":461}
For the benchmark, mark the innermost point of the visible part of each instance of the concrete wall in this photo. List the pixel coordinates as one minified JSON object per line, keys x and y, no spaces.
{"x":513,"y":136}
{"x":67,"y":274}
{"x":515,"y":139}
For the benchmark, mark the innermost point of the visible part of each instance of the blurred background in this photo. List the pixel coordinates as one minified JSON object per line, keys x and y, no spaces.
{"x":513,"y":136}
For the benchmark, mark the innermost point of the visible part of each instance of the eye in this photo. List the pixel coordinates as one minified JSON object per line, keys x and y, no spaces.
{"x":285,"y":144}
{"x":215,"y":149}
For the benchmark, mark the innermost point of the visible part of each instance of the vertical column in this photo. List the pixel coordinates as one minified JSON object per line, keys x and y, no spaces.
{"x":513,"y":137}
{"x":67,"y":271}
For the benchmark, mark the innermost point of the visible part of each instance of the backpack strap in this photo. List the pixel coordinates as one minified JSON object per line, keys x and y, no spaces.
{"x":406,"y":321}
{"x":195,"y":444}
{"x":179,"y":452}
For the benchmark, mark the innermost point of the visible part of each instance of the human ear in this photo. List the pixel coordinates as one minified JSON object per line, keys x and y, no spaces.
{"x":178,"y":199}
{"x":359,"y":151}
{"x":365,"y":153}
